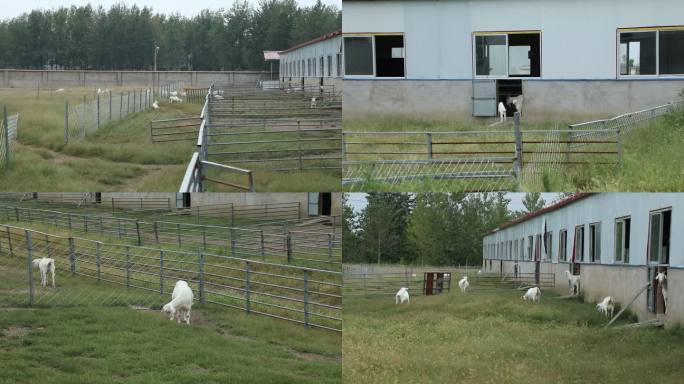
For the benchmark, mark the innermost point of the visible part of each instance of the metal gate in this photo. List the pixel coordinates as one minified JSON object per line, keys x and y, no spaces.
{"x":484,"y":98}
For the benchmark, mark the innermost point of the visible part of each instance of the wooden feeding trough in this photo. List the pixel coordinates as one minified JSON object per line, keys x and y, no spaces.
{"x":436,"y":282}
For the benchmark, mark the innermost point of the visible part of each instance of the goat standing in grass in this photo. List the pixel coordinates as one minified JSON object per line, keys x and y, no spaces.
{"x":402,"y":295}
{"x":533,"y":294}
{"x":463,"y":284}
{"x":517,"y":101}
{"x":181,"y":302}
{"x":574,"y":282}
{"x":606,"y":307}
{"x":45,"y":264}
{"x":662,"y":281}
{"x":502,"y":112}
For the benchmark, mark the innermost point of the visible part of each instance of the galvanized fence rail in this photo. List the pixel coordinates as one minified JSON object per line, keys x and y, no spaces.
{"x":90,"y":115}
{"x":175,"y":88}
{"x":88,"y":273}
{"x":8,"y":134}
{"x":291,"y":247}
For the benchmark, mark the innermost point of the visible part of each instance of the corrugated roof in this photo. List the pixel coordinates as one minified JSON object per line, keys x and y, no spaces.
{"x":560,"y":204}
{"x":314,"y":41}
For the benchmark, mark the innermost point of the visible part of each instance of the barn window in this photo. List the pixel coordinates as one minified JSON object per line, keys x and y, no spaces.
{"x":548,"y":241}
{"x":321,"y":72}
{"x":622,"y":232}
{"x":595,"y":242}
{"x":530,"y":241}
{"x":515,"y":54}
{"x":651,"y":52}
{"x":389,"y":56}
{"x":516,"y":255}
{"x":659,"y":237}
{"x":329,"y":65}
{"x":358,"y":52}
{"x":579,"y":244}
{"x":563,"y":245}
{"x":339,"y":64}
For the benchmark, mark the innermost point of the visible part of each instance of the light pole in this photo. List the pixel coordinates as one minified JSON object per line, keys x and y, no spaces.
{"x":156,"y":50}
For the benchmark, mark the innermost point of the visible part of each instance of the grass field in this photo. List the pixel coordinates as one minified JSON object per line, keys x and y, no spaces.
{"x":494,"y":337}
{"x":652,"y":158}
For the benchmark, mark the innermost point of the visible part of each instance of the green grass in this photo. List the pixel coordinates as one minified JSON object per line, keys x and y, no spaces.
{"x":494,"y":337}
{"x":652,"y":157}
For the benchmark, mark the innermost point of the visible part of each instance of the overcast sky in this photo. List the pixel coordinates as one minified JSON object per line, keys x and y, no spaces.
{"x":358,"y":200}
{"x":9,"y":9}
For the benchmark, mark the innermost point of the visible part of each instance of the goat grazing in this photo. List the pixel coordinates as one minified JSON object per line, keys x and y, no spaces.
{"x":181,"y":302}
{"x":155,"y":105}
{"x":463,"y":284}
{"x":402,"y":295}
{"x":606,"y":307}
{"x":175,"y":99}
{"x":59,"y":90}
{"x":533,"y":294}
{"x":45,"y":264}
{"x":662,"y":281}
{"x":502,"y":112}
{"x":573,"y":282}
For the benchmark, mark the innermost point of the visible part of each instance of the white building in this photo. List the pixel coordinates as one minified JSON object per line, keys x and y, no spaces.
{"x":318,"y":61}
{"x":459,"y":58}
{"x":616,"y":242}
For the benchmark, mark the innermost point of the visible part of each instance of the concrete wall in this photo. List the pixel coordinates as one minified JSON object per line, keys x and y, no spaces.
{"x":554,"y":101}
{"x":16,"y":78}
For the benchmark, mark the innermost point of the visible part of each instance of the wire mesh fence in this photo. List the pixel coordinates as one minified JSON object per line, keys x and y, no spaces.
{"x":89,"y":272}
{"x":8,"y":134}
{"x":88,"y":116}
{"x":305,"y":248}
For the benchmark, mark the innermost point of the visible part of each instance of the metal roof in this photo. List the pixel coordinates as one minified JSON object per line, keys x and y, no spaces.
{"x":327,"y":36}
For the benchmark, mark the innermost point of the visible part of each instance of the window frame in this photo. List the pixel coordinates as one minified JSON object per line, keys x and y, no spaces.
{"x":579,"y":248}
{"x":548,"y":255}
{"x":372,"y":36}
{"x":648,"y":244}
{"x":594,"y":228}
{"x":508,"y":69}
{"x":657,"y":30}
{"x":622,"y":220}
{"x":563,"y":245}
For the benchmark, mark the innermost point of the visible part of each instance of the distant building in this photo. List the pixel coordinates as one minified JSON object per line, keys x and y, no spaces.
{"x":318,"y":61}
{"x":616,"y":242}
{"x":569,"y":58}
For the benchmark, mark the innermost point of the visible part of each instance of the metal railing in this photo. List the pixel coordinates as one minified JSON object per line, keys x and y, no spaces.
{"x":164,"y":91}
{"x":307,"y":296}
{"x":8,"y":134}
{"x":322,"y":250}
{"x":107,"y":106}
{"x":171,"y":130}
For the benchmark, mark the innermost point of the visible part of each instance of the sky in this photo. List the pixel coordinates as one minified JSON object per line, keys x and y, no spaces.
{"x":10,"y":9}
{"x":358,"y":200}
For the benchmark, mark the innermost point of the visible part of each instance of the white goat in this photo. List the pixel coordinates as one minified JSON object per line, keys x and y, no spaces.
{"x":502,"y":112}
{"x":173,"y":93}
{"x":99,"y":90}
{"x":533,"y":294}
{"x":574,"y":282}
{"x":479,"y":271}
{"x":313,"y":102}
{"x":662,"y":281}
{"x":155,"y":105}
{"x":59,"y":90}
{"x":181,"y":302}
{"x":175,"y":99}
{"x":517,"y":101}
{"x":402,"y":295}
{"x":606,"y":307}
{"x":45,"y":264}
{"x":463,"y":284}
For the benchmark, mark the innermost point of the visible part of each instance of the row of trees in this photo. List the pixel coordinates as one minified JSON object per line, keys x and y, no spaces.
{"x":426,"y":228}
{"x":125,"y":37}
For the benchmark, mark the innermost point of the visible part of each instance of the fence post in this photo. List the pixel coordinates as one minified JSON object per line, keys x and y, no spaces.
{"x":330,"y":245}
{"x":120,"y":104}
{"x":161,"y":272}
{"x":85,"y":223}
{"x":98,"y":111}
{"x":344,"y":146}
{"x":429,"y":145}
{"x":156,"y":233}
{"x":134,"y":100}
{"x":517,"y":166}
{"x":233,"y":242}
{"x":179,"y":234}
{"x":6,"y":125}
{"x":289,"y":247}
{"x":29,"y":259}
{"x":128,"y":267}
{"x":9,"y":242}
{"x":66,"y":122}
{"x":69,"y":220}
{"x":137,"y":231}
{"x":72,"y":256}
{"x":97,"y":259}
{"x":299,"y":144}
{"x":248,"y":269}
{"x":110,"y":105}
{"x":569,"y":145}
{"x":200,"y":261}
{"x":619,"y":148}
{"x":263,"y":251}
{"x":232,"y":215}
{"x":118,"y":227}
{"x":101,"y":227}
{"x":306,"y":298}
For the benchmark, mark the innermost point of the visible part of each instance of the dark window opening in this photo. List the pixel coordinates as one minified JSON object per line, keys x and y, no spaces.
{"x":98,"y":197}
{"x":524,"y":55}
{"x":389,"y":56}
{"x":671,"y":54}
{"x":326,"y":203}
{"x":506,"y":89}
{"x":358,"y":56}
{"x":638,"y":53}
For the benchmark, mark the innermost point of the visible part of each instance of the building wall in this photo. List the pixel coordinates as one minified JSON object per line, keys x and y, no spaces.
{"x":15,"y":78}
{"x":325,"y":48}
{"x":605,"y":278}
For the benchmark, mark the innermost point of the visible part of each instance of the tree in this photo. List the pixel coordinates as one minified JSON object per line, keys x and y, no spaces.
{"x":533,"y":201}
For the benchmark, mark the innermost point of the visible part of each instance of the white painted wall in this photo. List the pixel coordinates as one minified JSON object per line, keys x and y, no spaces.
{"x":578,"y":36}
{"x":313,"y":51}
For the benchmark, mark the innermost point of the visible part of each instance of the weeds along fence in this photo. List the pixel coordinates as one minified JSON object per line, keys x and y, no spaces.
{"x":88,"y":116}
{"x":388,"y":283}
{"x":8,"y":134}
{"x":244,"y":131}
{"x":305,"y":248}
{"x":468,"y":160}
{"x":84,"y":267}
